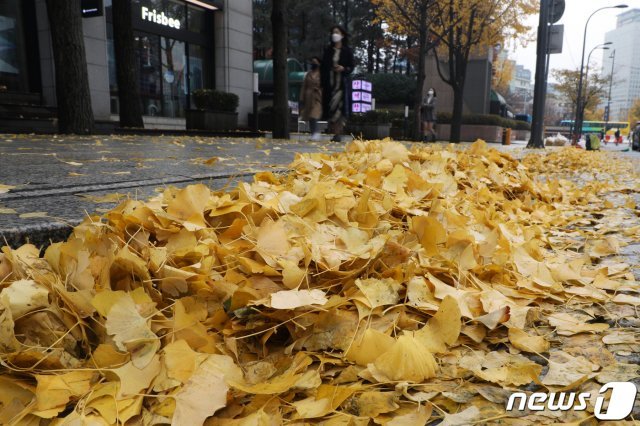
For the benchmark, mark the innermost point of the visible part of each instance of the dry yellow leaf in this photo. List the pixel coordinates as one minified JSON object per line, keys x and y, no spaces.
{"x":54,"y":392}
{"x":407,"y":360}
{"x":368,"y":347}
{"x":567,"y":325}
{"x":565,"y":369}
{"x":380,"y":292}
{"x":33,"y":215}
{"x":24,"y":296}
{"x":527,"y":343}
{"x":131,"y":331}
{"x":293,"y":299}
{"x":443,"y":328}
{"x":134,"y":380}
{"x":5,"y":188}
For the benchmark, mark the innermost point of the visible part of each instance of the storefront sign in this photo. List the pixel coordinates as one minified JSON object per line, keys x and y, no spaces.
{"x":159,"y":18}
{"x":91,"y":8}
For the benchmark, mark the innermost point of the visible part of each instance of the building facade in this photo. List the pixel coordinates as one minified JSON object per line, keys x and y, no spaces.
{"x":181,"y":46}
{"x":521,"y":90}
{"x":626,"y":75}
{"x":477,"y":90}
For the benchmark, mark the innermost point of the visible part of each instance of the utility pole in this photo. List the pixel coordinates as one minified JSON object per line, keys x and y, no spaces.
{"x":613,"y":65}
{"x":541,"y":70}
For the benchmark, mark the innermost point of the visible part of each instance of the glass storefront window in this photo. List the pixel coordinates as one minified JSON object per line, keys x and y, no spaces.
{"x":171,"y":62}
{"x":148,"y":57}
{"x":13,"y":61}
{"x":174,"y":90}
{"x":111,"y":61}
{"x":197,"y":69}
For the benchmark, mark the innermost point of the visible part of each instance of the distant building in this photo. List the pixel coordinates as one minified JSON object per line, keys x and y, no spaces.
{"x":477,"y":90}
{"x":521,"y":88}
{"x":521,"y":81}
{"x":626,"y":77}
{"x":558,"y":107}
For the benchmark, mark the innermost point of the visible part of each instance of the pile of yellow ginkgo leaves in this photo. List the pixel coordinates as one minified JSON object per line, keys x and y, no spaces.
{"x":382,"y":285}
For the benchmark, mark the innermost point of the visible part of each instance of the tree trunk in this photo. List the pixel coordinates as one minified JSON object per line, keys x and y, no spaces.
{"x":72,"y":81}
{"x":280,"y":76}
{"x":126,"y":69}
{"x":456,"y":116}
{"x":422,"y":53}
{"x":370,"y":53}
{"x":459,"y":78}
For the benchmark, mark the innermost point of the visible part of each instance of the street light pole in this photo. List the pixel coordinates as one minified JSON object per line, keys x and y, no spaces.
{"x":579,"y":112}
{"x":613,"y":65}
{"x":600,"y":46}
{"x":586,"y":78}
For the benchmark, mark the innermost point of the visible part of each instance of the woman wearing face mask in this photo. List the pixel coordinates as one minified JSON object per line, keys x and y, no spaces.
{"x":311,"y":98}
{"x":429,"y":115}
{"x":337,"y":64}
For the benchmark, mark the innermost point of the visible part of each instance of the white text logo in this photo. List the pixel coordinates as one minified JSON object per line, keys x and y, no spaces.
{"x":159,"y":18}
{"x":623,"y":396}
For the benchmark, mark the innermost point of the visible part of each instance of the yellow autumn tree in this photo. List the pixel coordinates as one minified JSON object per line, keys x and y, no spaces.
{"x":596,"y":114}
{"x":634,"y":113}
{"x":468,"y":26}
{"x":503,"y":72}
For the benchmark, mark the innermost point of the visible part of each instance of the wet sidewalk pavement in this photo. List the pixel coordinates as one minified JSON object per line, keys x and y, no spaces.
{"x":49,"y":183}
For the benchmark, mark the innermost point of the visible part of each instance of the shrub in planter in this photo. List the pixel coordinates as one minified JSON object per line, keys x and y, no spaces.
{"x":370,"y":125}
{"x":398,"y":130}
{"x":371,"y":117}
{"x":214,"y":100}
{"x":521,"y":125}
{"x":215,"y":111}
{"x":485,"y":120}
{"x":265,"y":119}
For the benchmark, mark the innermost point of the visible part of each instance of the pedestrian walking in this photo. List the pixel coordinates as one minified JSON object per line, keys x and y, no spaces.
{"x":635,"y":140}
{"x":428,"y":115}
{"x":592,"y":142}
{"x":618,"y":137}
{"x":311,"y":98}
{"x":337,"y":64}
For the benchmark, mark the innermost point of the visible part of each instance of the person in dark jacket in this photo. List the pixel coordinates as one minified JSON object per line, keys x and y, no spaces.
{"x":635,"y":138}
{"x":337,"y":64}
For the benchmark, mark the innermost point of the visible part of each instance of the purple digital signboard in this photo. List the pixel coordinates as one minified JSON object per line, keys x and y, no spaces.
{"x":361,"y":98}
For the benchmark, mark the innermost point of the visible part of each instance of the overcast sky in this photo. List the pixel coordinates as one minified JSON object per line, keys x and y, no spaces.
{"x":575,"y":16}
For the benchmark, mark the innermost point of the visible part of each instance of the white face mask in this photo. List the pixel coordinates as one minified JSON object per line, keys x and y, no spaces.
{"x":335,"y":37}
{"x":430,"y":92}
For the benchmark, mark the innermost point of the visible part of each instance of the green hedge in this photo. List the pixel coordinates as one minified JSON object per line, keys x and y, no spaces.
{"x":380,"y":116}
{"x":397,"y":120}
{"x":215,"y":100}
{"x":392,"y":88}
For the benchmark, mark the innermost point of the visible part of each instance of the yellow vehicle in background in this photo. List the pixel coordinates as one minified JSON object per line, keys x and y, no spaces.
{"x":599,"y":126}
{"x":624,"y":127}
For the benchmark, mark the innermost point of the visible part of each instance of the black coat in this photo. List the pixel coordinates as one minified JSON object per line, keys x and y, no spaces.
{"x":346,"y":60}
